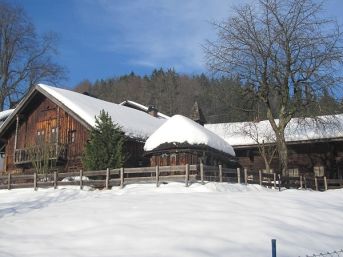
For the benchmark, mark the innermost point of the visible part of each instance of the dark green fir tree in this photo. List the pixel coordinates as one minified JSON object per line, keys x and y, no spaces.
{"x":104,"y":148}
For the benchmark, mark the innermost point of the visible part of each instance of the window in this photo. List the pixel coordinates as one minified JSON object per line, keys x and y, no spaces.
{"x":318,"y":171}
{"x":71,"y":136}
{"x":293,"y":172}
{"x":265,"y":171}
{"x":40,"y":136}
{"x":53,"y":135}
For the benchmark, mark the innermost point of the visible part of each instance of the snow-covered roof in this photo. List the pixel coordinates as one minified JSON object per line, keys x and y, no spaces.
{"x":143,"y":108}
{"x":5,"y":114}
{"x":249,"y":133}
{"x":134,"y":123}
{"x":179,"y":129}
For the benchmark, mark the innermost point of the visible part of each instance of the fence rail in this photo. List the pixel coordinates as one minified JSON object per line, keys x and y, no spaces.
{"x":159,"y":174}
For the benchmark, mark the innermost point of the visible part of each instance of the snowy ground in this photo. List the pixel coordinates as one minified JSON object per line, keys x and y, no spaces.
{"x":141,"y":220}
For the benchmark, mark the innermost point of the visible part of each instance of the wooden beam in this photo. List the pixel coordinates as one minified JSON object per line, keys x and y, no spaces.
{"x":107,"y":178}
{"x":81,"y":175}
{"x":157,"y":171}
{"x":121,"y":177}
{"x":325,"y":183}
{"x":220,"y":173}
{"x":35,"y":181}
{"x":202,"y":173}
{"x":238,"y":175}
{"x":187,"y":175}
{"x":55,"y":180}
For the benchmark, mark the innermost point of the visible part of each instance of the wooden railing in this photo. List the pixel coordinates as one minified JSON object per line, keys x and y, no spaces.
{"x":54,"y":151}
{"x":162,"y":174}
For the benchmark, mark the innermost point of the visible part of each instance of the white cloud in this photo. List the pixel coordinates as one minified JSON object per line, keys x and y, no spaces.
{"x":156,"y":33}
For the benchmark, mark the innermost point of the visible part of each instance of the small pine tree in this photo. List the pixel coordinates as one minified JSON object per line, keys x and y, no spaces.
{"x":104,"y":148}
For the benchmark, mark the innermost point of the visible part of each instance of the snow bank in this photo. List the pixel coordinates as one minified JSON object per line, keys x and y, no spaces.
{"x":144,"y":108}
{"x":172,"y":220}
{"x":179,"y":129}
{"x":133,"y":122}
{"x":246,"y":133}
{"x":5,"y":114}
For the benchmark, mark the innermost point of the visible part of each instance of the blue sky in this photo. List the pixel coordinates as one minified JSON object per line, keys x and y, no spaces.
{"x":106,"y":38}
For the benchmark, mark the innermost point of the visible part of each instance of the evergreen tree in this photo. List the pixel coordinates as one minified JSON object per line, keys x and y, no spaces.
{"x":104,"y":148}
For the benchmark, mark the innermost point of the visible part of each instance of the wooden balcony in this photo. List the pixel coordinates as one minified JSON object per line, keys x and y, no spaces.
{"x":39,"y":153}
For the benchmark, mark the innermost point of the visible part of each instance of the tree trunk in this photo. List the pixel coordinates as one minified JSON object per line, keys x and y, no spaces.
{"x":283,"y":154}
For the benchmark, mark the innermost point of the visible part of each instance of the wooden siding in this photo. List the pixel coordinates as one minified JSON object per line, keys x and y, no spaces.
{"x":303,"y":156}
{"x":54,"y":125}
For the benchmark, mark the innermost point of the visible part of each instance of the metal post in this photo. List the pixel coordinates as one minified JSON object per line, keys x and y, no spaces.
{"x":273,"y":247}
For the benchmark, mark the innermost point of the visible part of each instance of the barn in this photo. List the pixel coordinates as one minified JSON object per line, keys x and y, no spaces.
{"x":61,"y":120}
{"x":315,"y":146}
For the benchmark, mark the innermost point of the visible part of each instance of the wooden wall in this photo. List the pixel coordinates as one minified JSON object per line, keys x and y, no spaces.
{"x":304,"y":156}
{"x":44,"y":116}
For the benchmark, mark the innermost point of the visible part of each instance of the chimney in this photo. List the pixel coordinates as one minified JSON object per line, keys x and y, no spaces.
{"x":152,"y":110}
{"x":197,"y":115}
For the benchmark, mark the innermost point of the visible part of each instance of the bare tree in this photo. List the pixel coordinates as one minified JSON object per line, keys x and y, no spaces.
{"x":284,"y":52}
{"x":25,"y":57}
{"x":264,"y":138}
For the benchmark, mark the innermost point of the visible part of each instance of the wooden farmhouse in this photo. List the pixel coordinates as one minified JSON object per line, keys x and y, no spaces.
{"x":60,"y":120}
{"x":182,"y":141}
{"x":315,"y":146}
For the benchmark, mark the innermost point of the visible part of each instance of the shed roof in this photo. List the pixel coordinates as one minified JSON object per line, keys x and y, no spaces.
{"x":180,"y":130}
{"x":298,"y":129}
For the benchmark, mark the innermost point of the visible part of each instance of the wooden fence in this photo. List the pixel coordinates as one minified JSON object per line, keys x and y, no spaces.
{"x":161,"y":174}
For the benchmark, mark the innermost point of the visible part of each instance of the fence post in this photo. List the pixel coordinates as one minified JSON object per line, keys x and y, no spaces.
{"x":301,"y":182}
{"x":157,"y":176}
{"x":220,"y":173}
{"x":35,"y":181}
{"x":81,"y":182}
{"x":202,"y":172}
{"x":316,"y":183}
{"x":121,"y":177}
{"x":187,"y":175}
{"x":245,"y":176}
{"x":260,"y":176}
{"x":273,"y":247}
{"x":9,"y":181}
{"x":238,"y":175}
{"x":305,"y":182}
{"x":325,"y":183}
{"x":274,"y":180}
{"x":107,"y":183}
{"x":279,"y":176}
{"x":55,"y":179}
